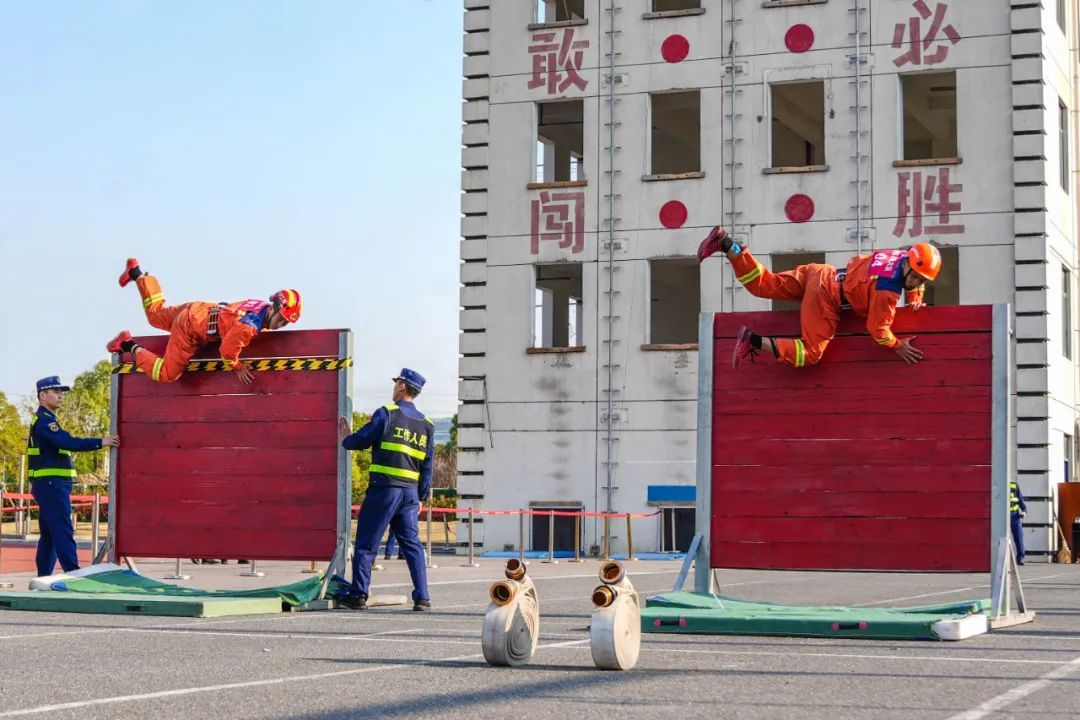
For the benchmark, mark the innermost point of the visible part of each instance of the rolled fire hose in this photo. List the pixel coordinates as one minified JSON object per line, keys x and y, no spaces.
{"x":615,"y":630}
{"x":512,"y":620}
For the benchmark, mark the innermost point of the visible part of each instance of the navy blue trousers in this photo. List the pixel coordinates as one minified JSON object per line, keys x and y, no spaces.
{"x":57,"y":541}
{"x":398,"y":508}
{"x":1017,"y":527}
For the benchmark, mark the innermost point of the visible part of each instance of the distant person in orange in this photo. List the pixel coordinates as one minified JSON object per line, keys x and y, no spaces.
{"x":197,"y":323}
{"x":870,"y":287}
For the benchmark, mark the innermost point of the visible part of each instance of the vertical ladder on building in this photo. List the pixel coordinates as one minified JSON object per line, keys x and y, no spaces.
{"x":608,"y":327}
{"x":859,"y":58}
{"x":730,"y":204}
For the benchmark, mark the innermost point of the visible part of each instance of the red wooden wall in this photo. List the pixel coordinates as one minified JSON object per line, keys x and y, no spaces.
{"x":208,"y":467}
{"x":860,"y":462}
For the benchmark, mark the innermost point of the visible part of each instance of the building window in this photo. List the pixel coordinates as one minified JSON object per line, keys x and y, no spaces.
{"x":560,"y":141}
{"x":783,"y":262}
{"x":1066,"y":313}
{"x":1069,"y":458}
{"x":1062,"y":16}
{"x":929,"y":116}
{"x":557,"y":307}
{"x":551,"y":11}
{"x":677,"y":528}
{"x":1063,"y":143}
{"x":673,"y":5}
{"x":798,"y":124}
{"x":946,"y":289}
{"x":675,"y":146}
{"x":674,"y":301}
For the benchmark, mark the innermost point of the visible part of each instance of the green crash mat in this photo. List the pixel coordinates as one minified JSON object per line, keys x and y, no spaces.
{"x":109,"y":603}
{"x":703,"y":614}
{"x":129,"y":582}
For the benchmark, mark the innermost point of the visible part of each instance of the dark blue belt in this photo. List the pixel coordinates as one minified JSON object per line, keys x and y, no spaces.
{"x":841,"y":276}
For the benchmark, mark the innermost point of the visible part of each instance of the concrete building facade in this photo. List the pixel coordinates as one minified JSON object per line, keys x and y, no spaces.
{"x":603,"y":138}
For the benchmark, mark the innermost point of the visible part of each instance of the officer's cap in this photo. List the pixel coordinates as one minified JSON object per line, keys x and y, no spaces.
{"x":51,"y":383}
{"x":411,"y":378}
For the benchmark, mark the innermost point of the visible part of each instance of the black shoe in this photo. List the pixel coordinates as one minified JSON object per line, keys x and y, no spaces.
{"x":1019,"y":562}
{"x":353,"y":602}
{"x":422,"y":606}
{"x":387,"y":557}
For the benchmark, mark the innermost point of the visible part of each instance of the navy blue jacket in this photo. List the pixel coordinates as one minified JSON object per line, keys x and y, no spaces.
{"x":49,"y":447}
{"x":370,"y":434}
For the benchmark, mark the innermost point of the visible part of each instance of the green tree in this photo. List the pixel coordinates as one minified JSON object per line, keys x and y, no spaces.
{"x":85,"y":413}
{"x":361,"y":465}
{"x":12,"y":441}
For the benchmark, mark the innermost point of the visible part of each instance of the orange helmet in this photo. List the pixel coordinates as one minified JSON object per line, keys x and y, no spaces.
{"x":288,"y":303}
{"x":925,"y":259}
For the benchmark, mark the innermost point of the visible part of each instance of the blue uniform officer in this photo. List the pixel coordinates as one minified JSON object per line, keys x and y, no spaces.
{"x":402,"y":460}
{"x":1017,"y":511}
{"x":52,"y":472}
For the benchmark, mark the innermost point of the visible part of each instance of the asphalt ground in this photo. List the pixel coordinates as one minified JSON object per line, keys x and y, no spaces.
{"x":395,"y":663}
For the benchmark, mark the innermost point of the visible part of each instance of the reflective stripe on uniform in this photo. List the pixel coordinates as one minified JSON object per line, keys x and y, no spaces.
{"x":51,"y":472}
{"x":800,"y":353}
{"x":33,"y":451}
{"x":884,"y":341}
{"x":157,"y":369}
{"x":752,"y":275}
{"x":398,"y":447}
{"x":395,"y":472}
{"x":153,"y":300}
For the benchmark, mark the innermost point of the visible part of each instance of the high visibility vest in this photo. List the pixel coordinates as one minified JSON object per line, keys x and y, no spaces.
{"x":398,"y":456}
{"x":47,"y":462}
{"x":1014,"y":498}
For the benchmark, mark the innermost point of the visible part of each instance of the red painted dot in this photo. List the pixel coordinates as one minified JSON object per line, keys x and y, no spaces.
{"x":656,"y":622}
{"x":682,"y":622}
{"x":673,"y":214}
{"x":799,"y":38}
{"x":799,"y":208}
{"x":675,"y":48}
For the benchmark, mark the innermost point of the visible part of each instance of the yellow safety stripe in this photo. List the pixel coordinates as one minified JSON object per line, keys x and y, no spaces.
{"x":398,"y":447}
{"x":156,"y":373}
{"x":153,"y":300}
{"x":391,"y":406}
{"x":883,"y":341}
{"x":254,"y":365}
{"x":33,"y":451}
{"x":752,"y":275}
{"x":52,"y":472}
{"x":396,"y":472}
{"x":800,"y":353}
{"x":65,"y":452}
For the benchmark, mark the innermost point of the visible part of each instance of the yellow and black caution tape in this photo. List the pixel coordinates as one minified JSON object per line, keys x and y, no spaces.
{"x":264,"y":365}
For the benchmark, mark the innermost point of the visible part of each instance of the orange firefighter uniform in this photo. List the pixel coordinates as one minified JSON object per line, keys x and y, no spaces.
{"x":197,"y":323}
{"x":870,"y":286}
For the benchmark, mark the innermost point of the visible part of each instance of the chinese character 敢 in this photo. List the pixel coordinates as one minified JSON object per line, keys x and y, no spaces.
{"x":557,"y":64}
{"x":916,"y":194}
{"x":917,"y":42}
{"x":559,"y":216}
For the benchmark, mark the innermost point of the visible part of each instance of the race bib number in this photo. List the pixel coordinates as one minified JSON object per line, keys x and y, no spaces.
{"x":884,"y":264}
{"x":251,"y":306}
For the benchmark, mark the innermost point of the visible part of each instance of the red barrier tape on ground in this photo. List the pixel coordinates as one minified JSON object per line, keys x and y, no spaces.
{"x":543,"y":513}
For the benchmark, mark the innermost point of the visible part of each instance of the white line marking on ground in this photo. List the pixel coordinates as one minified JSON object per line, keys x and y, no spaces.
{"x":294,"y":636}
{"x":1019,"y":692}
{"x":248,"y":684}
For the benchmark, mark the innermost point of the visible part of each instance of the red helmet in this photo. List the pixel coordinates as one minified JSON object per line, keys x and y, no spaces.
{"x":925,"y":260}
{"x":288,"y":303}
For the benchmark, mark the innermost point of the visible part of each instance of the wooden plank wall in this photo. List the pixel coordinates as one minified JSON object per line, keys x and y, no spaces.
{"x":860,"y":462}
{"x":211,"y":468}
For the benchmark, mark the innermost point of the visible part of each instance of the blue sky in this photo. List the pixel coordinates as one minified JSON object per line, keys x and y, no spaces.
{"x":235,"y":148}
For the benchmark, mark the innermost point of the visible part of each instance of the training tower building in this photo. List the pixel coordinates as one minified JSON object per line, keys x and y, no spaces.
{"x":603,"y":138}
